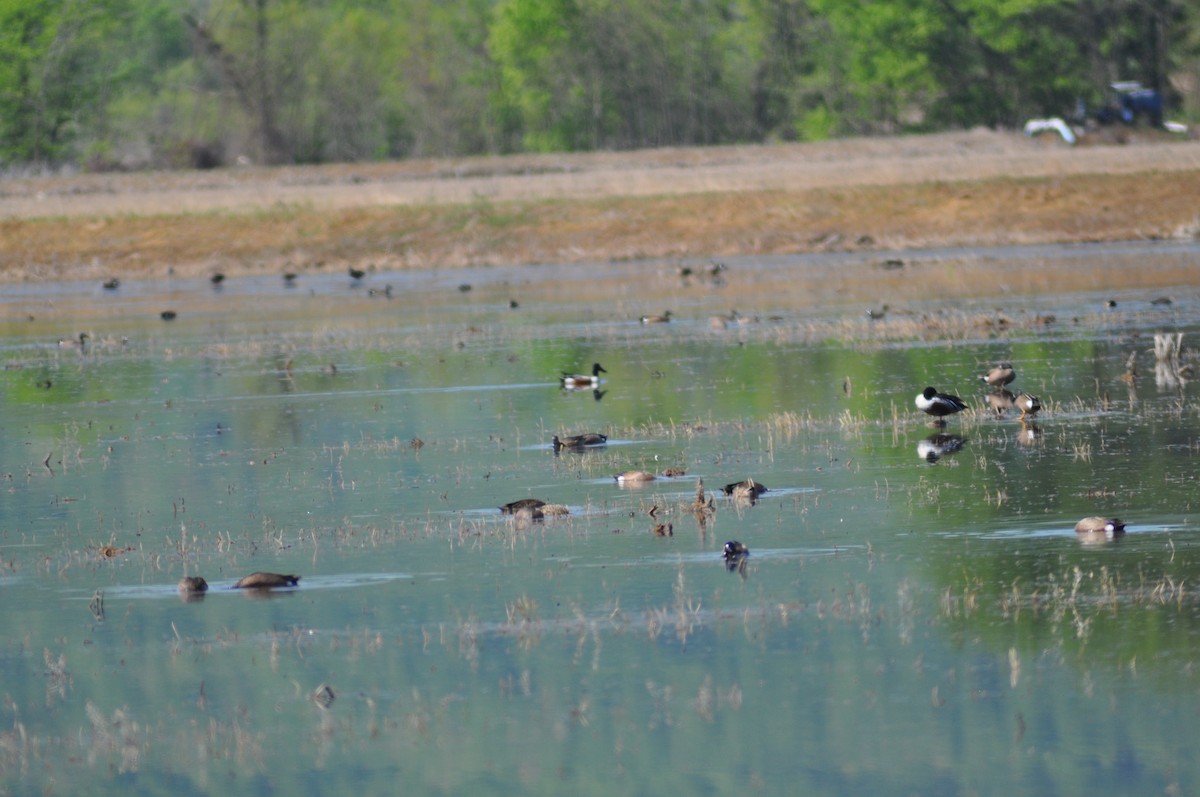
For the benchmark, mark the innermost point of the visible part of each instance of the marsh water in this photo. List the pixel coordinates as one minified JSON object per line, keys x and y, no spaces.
{"x":916,"y":614}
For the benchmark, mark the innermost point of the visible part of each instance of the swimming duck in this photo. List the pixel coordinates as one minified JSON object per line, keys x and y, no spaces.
{"x":657,"y":319}
{"x":1028,"y":404}
{"x":192,"y":584}
{"x":579,"y":441}
{"x":734,"y":549}
{"x":582,"y":381}
{"x":735,"y":555}
{"x":939,"y":405}
{"x":744,"y":489}
{"x":634,"y":477}
{"x":513,"y":507}
{"x":267,"y":581}
{"x":1095,"y":527}
{"x":1001,"y":401}
{"x":999,"y":376}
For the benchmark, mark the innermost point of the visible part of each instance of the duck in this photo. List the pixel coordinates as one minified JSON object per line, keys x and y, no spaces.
{"x":735,"y":554}
{"x":939,"y":405}
{"x":579,"y":441}
{"x":262,"y":580}
{"x":583,"y":381}
{"x":191,"y":585}
{"x":657,"y":319}
{"x":747,"y":488}
{"x":1028,"y":404}
{"x":80,"y":341}
{"x":524,"y":504}
{"x":634,"y":477}
{"x":999,"y":376}
{"x":1095,"y":527}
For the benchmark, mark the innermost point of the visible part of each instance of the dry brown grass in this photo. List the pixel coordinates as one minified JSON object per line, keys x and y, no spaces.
{"x":962,"y":189}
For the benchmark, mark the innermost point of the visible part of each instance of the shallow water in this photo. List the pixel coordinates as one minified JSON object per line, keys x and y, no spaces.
{"x":900,"y":626}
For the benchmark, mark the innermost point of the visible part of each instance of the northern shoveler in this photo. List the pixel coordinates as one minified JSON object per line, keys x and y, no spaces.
{"x":657,"y":319}
{"x":267,"y":581}
{"x":1108,"y":528}
{"x":937,"y":404}
{"x":1028,"y":404}
{"x":579,"y":441}
{"x":583,"y":381}
{"x":999,"y":376}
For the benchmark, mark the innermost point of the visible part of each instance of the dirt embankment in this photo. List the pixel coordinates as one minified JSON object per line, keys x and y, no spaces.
{"x":974,"y":188}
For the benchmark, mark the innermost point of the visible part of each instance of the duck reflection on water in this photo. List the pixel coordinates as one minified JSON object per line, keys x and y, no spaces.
{"x":936,"y":446}
{"x":1001,"y":401}
{"x":1030,"y":433}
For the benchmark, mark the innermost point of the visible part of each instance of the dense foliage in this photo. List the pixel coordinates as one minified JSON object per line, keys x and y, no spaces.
{"x":107,"y":83}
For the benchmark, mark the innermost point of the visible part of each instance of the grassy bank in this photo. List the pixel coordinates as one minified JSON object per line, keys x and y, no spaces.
{"x":241,"y":232}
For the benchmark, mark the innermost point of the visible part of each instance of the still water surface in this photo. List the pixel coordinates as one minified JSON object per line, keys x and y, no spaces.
{"x":905,"y":623}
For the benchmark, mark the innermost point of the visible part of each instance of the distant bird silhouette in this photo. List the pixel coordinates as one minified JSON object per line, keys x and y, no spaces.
{"x":356,"y":273}
{"x":657,"y":319}
{"x":168,"y":315}
{"x":112,"y":284}
{"x":217,"y":279}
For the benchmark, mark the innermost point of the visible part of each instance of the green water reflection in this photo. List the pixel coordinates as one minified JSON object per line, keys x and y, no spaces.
{"x":902,"y":626}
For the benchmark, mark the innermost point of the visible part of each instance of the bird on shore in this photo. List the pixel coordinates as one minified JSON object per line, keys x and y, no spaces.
{"x":999,"y":376}
{"x":583,"y":381}
{"x":939,"y":405}
{"x":262,"y":580}
{"x":578,"y":442}
{"x":1108,"y":528}
{"x":1028,"y":404}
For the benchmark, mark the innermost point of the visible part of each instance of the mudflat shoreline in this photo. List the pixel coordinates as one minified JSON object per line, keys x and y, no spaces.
{"x":977,"y":188}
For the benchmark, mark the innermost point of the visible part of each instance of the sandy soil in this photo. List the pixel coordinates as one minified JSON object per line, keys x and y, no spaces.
{"x":971,"y":188}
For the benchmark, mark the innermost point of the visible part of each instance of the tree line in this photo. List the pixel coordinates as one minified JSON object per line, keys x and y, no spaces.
{"x":163,"y":83}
